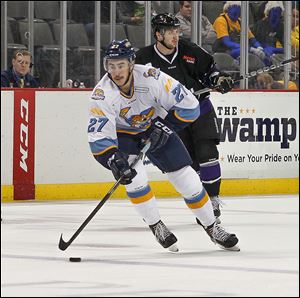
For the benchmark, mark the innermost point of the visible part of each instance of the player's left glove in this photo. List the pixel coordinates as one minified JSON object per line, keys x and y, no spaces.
{"x":222,"y":82}
{"x":119,"y":166}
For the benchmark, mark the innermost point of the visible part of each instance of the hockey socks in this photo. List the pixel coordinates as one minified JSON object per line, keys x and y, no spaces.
{"x":187,"y":182}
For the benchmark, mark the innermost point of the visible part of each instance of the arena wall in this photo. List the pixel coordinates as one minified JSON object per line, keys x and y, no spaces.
{"x":45,"y":153}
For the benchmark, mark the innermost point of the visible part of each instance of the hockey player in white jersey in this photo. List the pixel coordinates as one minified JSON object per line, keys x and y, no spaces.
{"x":132,"y":104}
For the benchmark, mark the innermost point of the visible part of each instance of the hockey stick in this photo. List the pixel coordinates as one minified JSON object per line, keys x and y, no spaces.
{"x":63,"y":245}
{"x":251,"y":74}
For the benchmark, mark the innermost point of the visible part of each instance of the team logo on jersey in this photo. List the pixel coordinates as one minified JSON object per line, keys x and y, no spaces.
{"x":143,"y":120}
{"x":98,"y":94}
{"x":152,"y":72}
{"x":189,"y":59}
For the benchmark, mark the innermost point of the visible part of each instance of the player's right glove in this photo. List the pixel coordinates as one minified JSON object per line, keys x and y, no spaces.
{"x":222,"y":82}
{"x":158,"y":134}
{"x":119,"y":166}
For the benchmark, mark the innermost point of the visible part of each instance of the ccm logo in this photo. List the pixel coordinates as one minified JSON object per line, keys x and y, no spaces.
{"x":163,"y":127}
{"x":24,"y":134}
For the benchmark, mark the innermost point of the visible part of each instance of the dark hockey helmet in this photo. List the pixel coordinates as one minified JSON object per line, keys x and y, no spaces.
{"x":163,"y":21}
{"x":119,"y":49}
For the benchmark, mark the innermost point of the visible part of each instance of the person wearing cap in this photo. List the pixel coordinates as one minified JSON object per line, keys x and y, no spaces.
{"x":228,"y":28}
{"x":18,"y":75}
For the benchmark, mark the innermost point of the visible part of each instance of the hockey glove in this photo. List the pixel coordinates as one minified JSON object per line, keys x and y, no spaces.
{"x":119,"y":166}
{"x":158,"y":134}
{"x":222,"y":82}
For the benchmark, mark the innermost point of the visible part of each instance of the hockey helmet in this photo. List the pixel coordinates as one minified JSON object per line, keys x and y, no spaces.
{"x":119,"y":49}
{"x":163,"y":21}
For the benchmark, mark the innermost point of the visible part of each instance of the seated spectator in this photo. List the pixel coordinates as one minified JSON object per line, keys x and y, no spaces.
{"x":184,"y":15}
{"x":266,"y":81}
{"x":269,"y":31}
{"x":228,"y":28}
{"x":17,"y":76}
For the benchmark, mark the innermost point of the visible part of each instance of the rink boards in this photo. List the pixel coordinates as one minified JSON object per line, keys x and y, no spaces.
{"x":45,"y":153}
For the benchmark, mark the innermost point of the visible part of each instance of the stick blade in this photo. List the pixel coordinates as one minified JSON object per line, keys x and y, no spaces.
{"x":62,"y":245}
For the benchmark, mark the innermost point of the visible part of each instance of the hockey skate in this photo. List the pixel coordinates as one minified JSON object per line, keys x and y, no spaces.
{"x":216,"y":202}
{"x":164,"y":236}
{"x":219,"y":236}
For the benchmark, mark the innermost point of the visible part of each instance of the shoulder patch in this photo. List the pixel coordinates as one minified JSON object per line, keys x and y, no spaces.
{"x":98,"y":94}
{"x":152,"y":72}
{"x":97,"y":112}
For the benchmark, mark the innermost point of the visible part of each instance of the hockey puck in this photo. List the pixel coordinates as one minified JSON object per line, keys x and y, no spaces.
{"x":74,"y":259}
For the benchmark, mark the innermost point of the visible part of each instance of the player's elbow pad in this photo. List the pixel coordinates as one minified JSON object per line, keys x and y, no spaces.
{"x":180,"y":121}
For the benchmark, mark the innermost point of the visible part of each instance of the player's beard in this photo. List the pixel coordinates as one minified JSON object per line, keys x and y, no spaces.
{"x":169,"y":46}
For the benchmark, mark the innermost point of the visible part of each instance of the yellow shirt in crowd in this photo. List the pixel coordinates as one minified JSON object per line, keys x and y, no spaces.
{"x":221,"y":27}
{"x":295,"y":37}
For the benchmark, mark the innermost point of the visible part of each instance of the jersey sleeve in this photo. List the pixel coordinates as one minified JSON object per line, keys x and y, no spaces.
{"x":102,"y":135}
{"x":180,"y":103}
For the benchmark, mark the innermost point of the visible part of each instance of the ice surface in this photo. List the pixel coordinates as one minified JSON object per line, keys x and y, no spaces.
{"x":120,"y":256}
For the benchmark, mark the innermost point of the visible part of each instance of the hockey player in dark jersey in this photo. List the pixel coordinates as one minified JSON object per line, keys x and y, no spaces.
{"x":195,"y":68}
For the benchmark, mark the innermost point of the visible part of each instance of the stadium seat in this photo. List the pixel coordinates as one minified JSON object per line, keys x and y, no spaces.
{"x":47,"y":52}
{"x":104,"y":33}
{"x":17,"y":9}
{"x":254,"y":63}
{"x":42,"y":33}
{"x":47,"y":10}
{"x":226,"y":63}
{"x":212,"y":9}
{"x":136,"y":35}
{"x":12,"y":42}
{"x":80,"y":60}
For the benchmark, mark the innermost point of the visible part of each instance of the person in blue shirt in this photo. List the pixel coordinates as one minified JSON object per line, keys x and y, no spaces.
{"x":18,"y":76}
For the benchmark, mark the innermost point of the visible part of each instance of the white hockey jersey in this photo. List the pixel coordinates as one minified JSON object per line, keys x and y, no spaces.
{"x":154,"y":93}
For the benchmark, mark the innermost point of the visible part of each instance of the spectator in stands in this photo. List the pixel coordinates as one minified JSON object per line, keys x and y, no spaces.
{"x":295,"y":30}
{"x":184,"y":16}
{"x":270,"y":30}
{"x":17,"y":76}
{"x":266,"y":81}
{"x":228,"y":28}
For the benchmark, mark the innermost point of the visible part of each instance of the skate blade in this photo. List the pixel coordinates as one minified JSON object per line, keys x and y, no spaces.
{"x":173,"y":248}
{"x":233,"y":248}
